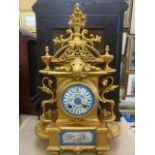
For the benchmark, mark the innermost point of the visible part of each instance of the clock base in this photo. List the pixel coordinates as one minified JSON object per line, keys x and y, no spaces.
{"x":113,"y":129}
{"x":84,"y":138}
{"x":77,"y":139}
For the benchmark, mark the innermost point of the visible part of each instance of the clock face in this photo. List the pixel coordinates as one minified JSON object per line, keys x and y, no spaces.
{"x":77,"y":100}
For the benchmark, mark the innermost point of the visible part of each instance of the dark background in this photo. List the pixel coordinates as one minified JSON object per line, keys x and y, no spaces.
{"x":104,"y":16}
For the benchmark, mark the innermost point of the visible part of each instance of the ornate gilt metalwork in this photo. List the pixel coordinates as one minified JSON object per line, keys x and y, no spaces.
{"x":107,"y":87}
{"x":50,"y":91}
{"x":75,"y":63}
{"x":47,"y":59}
{"x":77,"y":44}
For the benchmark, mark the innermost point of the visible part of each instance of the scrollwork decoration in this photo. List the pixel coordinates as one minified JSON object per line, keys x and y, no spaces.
{"x":77,"y":44}
{"x":108,"y":86}
{"x":47,"y":88}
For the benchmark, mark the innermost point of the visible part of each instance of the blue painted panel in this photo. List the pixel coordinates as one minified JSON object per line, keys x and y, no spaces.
{"x":77,"y":137}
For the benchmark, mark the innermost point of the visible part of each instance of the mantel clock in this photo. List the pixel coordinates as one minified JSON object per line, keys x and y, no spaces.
{"x":77,"y":79}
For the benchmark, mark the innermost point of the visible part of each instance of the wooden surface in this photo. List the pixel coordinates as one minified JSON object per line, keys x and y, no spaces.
{"x":30,"y":144}
{"x":25,"y":86}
